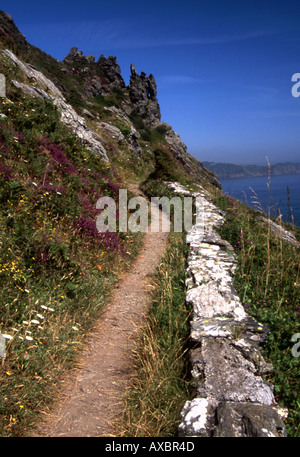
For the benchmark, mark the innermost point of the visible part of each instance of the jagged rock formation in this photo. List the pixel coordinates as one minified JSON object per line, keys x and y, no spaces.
{"x":76,"y":56}
{"x":143,"y":95}
{"x":112,"y":71}
{"x":98,"y":78}
{"x":231,"y":397}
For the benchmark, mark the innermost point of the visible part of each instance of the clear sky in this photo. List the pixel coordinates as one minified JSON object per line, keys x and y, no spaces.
{"x":223,"y":68}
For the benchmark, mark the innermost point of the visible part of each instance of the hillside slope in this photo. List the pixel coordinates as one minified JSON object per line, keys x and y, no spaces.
{"x":70,"y":133}
{"x":127,"y":119}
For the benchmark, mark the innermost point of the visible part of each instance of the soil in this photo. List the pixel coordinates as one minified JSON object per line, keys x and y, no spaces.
{"x":93,"y":399}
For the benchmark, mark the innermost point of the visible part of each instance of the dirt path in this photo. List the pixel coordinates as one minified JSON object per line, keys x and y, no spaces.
{"x":93,"y":400}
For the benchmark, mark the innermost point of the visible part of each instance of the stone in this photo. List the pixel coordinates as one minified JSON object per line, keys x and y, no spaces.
{"x":279,"y":231}
{"x":93,"y":86}
{"x":207,"y":301}
{"x":2,"y":346}
{"x":143,"y":95}
{"x":228,"y":376}
{"x":133,"y":137}
{"x":111,"y":71}
{"x":231,"y":399}
{"x":111,"y":131}
{"x":86,"y":112}
{"x":99,"y":78}
{"x":248,"y":420}
{"x":44,"y":89}
{"x":197,"y":418}
{"x":34,"y":76}
{"x":74,"y":55}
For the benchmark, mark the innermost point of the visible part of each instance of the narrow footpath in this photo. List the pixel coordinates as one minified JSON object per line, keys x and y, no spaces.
{"x":92,"y":402}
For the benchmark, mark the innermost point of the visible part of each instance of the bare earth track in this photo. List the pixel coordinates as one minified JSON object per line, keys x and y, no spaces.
{"x":92,"y":401}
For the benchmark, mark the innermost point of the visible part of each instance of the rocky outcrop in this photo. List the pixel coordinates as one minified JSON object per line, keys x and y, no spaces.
{"x":10,"y":33}
{"x":76,"y":56}
{"x":280,"y":232}
{"x":231,"y":397}
{"x":35,"y":77}
{"x":143,"y":95}
{"x":112,"y":72}
{"x":98,"y":78}
{"x":42,"y":88}
{"x":192,"y":166}
{"x":133,"y":135}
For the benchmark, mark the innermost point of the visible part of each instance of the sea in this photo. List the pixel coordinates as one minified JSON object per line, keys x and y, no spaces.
{"x":280,"y":196}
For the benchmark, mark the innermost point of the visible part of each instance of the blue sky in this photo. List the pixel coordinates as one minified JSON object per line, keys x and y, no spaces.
{"x":223,"y":68}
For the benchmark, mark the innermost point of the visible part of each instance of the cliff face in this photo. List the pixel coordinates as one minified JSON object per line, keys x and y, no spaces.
{"x":95,"y":102}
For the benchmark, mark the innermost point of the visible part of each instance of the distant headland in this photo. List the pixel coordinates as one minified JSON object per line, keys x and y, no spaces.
{"x":232,"y":170}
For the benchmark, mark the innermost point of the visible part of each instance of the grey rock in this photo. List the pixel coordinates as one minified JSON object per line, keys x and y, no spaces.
{"x":44,"y":89}
{"x":134,"y":135}
{"x":2,"y":346}
{"x":93,"y":86}
{"x":111,"y":131}
{"x":87,"y":113}
{"x":112,"y":72}
{"x":34,"y":76}
{"x":76,"y":56}
{"x":98,"y":78}
{"x":193,"y":166}
{"x":207,"y":301}
{"x":197,"y":418}
{"x":279,"y":231}
{"x":248,"y":420}
{"x":143,"y":95}
{"x":229,"y":376}
{"x":231,"y":397}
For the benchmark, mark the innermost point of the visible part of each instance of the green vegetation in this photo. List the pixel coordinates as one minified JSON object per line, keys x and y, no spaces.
{"x":268,"y":280}
{"x":160,"y":386}
{"x":56,"y":270}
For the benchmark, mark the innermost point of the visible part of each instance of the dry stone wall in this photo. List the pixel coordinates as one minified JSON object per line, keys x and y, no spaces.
{"x":231,"y":397}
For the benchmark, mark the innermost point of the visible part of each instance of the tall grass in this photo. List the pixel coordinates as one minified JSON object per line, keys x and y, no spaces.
{"x":267,"y":280}
{"x":160,"y":387}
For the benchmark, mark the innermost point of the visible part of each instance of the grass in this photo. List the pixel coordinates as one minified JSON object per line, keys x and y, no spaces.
{"x":267,"y":280}
{"x":56,"y":270}
{"x":160,"y":385}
